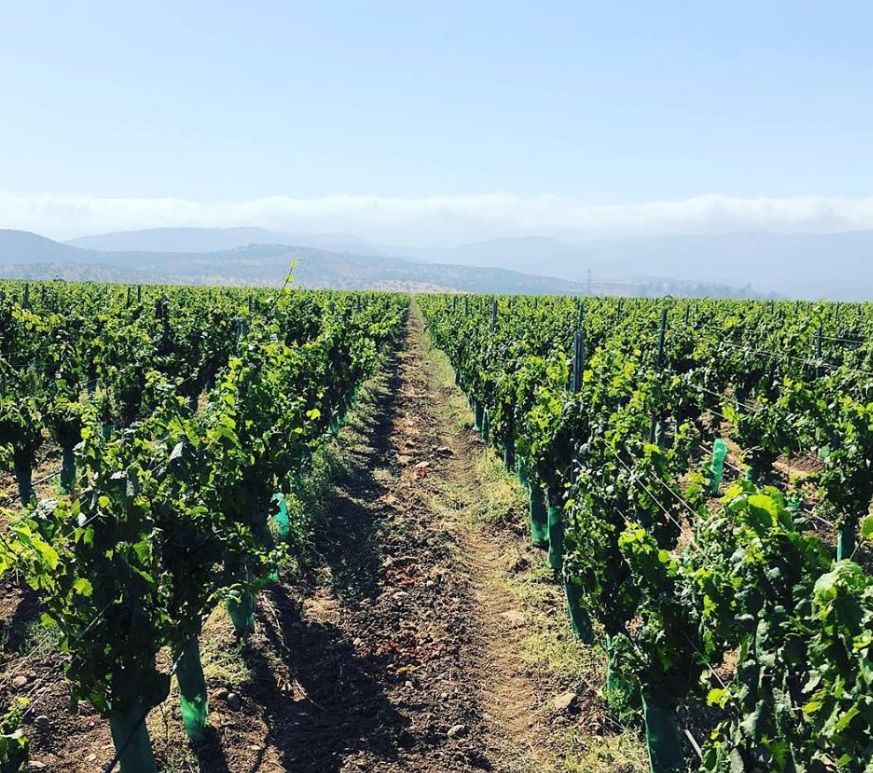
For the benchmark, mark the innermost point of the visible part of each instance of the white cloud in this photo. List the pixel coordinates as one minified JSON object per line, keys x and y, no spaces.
{"x":439,"y":219}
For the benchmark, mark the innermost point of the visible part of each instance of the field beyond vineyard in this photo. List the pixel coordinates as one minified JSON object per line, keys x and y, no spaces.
{"x":324,"y":531}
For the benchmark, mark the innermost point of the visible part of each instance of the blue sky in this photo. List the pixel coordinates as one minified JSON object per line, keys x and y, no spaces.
{"x":444,"y":121}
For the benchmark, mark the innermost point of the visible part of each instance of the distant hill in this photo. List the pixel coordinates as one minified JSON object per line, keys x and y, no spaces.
{"x":834,"y":265}
{"x":26,"y":255}
{"x":831,"y":265}
{"x":519,"y":254}
{"x":27,"y":247}
{"x":213,"y":240}
{"x":618,"y":266}
{"x":268,"y":265}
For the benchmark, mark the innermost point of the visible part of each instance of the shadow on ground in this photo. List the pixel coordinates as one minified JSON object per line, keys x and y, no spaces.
{"x":335,"y":705}
{"x":323,"y":697}
{"x":346,"y":536}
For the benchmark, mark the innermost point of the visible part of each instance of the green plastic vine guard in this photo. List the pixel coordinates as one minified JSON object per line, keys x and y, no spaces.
{"x":349,"y":400}
{"x":845,"y":541}
{"x":282,"y":519}
{"x":622,"y":697}
{"x":486,"y":427}
{"x":716,"y":468}
{"x":242,"y":613}
{"x":663,"y":741}
{"x":132,"y":743}
{"x":556,"y":537}
{"x":241,"y":610}
{"x":68,"y":470}
{"x":615,"y":687}
{"x":478,"y":412}
{"x":580,"y":622}
{"x":521,"y":467}
{"x":539,"y":518}
{"x":508,"y":457}
{"x":193,"y":699}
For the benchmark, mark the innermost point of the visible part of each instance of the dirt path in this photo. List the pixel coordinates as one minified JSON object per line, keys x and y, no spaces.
{"x":405,"y":644}
{"x":427,"y":636}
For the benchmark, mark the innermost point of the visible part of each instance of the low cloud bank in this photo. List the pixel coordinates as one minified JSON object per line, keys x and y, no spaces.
{"x":440,"y":220}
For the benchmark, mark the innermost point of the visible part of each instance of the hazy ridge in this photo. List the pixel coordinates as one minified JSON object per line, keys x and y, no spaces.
{"x":830,"y":265}
{"x":24,"y":255}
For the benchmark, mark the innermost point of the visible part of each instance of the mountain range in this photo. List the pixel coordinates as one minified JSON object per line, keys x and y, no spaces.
{"x":832,"y":265}
{"x":214,"y":240}
{"x":25,"y":255}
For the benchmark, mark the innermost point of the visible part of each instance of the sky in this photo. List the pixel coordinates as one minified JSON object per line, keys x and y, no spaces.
{"x":423,"y":123}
